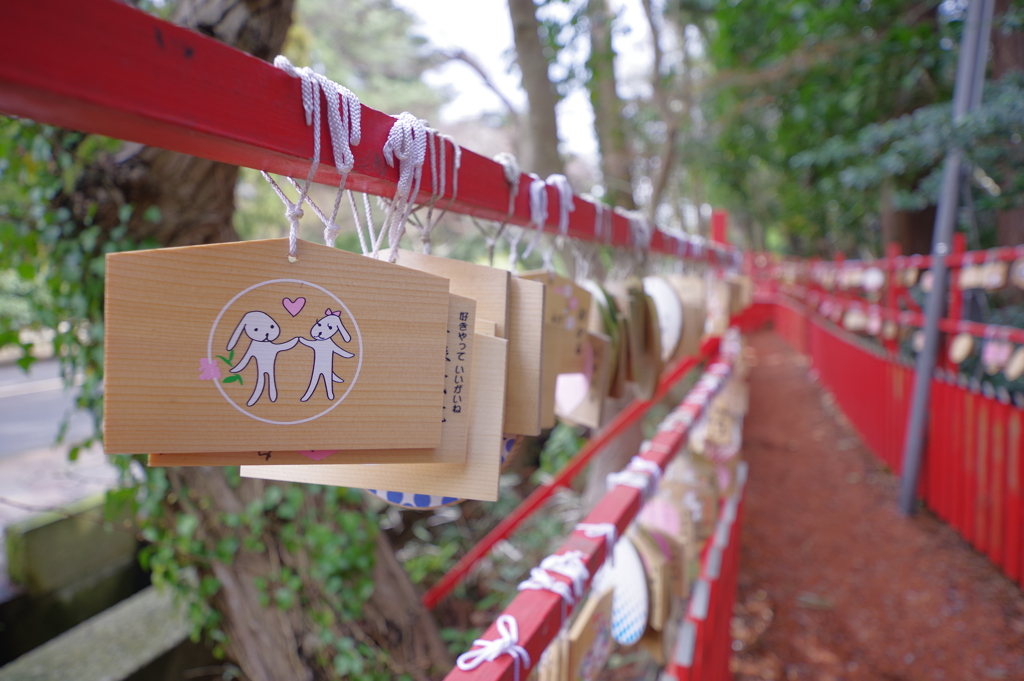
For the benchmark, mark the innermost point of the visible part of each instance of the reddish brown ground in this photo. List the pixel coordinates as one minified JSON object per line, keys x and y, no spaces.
{"x":835,"y":583}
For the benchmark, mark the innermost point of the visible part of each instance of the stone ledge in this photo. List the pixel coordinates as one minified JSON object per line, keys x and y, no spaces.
{"x":109,"y":647}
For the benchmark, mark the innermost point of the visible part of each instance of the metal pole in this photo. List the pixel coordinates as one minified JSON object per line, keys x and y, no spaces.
{"x":966,"y":92}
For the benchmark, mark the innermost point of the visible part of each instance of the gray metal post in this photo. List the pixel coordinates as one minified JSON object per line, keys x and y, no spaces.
{"x":973,"y":48}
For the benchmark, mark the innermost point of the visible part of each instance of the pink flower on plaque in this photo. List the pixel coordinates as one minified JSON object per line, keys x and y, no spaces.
{"x":208,"y":370}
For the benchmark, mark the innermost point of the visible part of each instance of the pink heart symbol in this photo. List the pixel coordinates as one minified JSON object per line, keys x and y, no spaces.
{"x":294,"y":307}
{"x":316,"y":454}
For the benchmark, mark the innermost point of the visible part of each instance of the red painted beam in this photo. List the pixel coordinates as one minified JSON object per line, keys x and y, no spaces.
{"x":104,"y":67}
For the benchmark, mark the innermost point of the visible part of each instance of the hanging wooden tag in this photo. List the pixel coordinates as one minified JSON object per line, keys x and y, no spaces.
{"x":525,"y":357}
{"x":670,"y":314}
{"x":662,"y":519}
{"x":454,"y":416}
{"x":644,"y":336}
{"x":657,"y":572}
{"x":517,"y":309}
{"x":604,"y":319}
{"x":579,"y":398}
{"x":553,"y":342}
{"x":230,"y":347}
{"x":1017,"y":273}
{"x":477,"y":478}
{"x":691,"y":295}
{"x":718,"y":307}
{"x":590,"y":638}
{"x":564,"y":329}
{"x":488,"y":286}
{"x":567,"y":307}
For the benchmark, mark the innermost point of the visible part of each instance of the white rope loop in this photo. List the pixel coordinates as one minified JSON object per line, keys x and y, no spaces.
{"x":642,"y":465}
{"x":436,"y":144}
{"x":597,"y":530}
{"x":569,"y":564}
{"x":538,"y":210}
{"x":541,"y":580}
{"x":566,"y":204}
{"x":634,"y":479}
{"x":344,"y":121}
{"x":407,"y":146}
{"x":311,"y":107}
{"x":507,"y":643}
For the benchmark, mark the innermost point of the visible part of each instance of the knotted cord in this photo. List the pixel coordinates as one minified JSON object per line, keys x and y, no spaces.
{"x":507,"y":643}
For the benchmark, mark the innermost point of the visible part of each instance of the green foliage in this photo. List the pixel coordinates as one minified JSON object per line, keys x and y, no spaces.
{"x":914,"y":145}
{"x":323,"y":573}
{"x":562,"y":444}
{"x":52,"y":259}
{"x":793,"y":75}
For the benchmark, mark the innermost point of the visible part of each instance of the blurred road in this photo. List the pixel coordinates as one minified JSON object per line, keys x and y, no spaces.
{"x":32,"y":406}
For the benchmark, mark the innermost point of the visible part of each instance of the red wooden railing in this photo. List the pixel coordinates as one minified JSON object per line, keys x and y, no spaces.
{"x":539,"y":613}
{"x":170,"y":87}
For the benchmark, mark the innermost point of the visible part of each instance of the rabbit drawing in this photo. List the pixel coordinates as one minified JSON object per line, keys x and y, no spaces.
{"x":324,"y":350}
{"x":263,"y":331}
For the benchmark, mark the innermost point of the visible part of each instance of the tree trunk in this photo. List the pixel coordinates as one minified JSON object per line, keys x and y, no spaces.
{"x":540,"y":154}
{"x":911,"y":229}
{"x":195,"y":198}
{"x":616,"y":160}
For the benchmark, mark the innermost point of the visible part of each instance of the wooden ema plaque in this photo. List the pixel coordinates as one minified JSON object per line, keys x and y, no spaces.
{"x":525,"y":357}
{"x":566,"y":309}
{"x":658,"y":571}
{"x":643,"y":336}
{"x":590,"y":387}
{"x":231,"y":347}
{"x":691,"y":295}
{"x":590,"y":638}
{"x":517,"y":310}
{"x":477,"y":478}
{"x":454,"y":416}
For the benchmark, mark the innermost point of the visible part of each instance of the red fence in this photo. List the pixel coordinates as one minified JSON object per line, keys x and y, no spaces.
{"x":704,"y":642}
{"x":972,"y":476}
{"x":705,"y":639}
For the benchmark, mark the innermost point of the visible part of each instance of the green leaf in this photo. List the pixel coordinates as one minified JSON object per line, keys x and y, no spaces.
{"x":27,"y":271}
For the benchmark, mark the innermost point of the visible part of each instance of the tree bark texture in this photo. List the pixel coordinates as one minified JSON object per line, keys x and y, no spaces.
{"x":195,"y":198}
{"x":616,"y":161}
{"x":271,"y":644}
{"x":540,"y":154}
{"x":912,"y":230}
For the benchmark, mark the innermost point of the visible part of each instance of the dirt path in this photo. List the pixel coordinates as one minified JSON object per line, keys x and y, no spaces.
{"x":835,"y":583}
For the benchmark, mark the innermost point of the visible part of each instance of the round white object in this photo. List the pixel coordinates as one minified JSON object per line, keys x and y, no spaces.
{"x":926,"y":281}
{"x":961,"y":348}
{"x":874,"y":326}
{"x":855,"y":320}
{"x":626,"y":575}
{"x":670,"y":314}
{"x":1017,"y":273}
{"x":917,"y":341}
{"x":420,"y":502}
{"x":1015,"y":367}
{"x":873,"y":279}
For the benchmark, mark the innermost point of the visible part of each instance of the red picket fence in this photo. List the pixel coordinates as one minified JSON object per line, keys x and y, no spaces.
{"x":704,"y":642}
{"x":972,"y":476}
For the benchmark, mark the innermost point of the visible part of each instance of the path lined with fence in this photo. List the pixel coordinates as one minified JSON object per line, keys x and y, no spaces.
{"x":854,"y":589}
